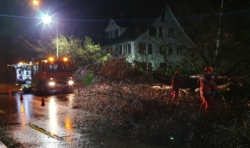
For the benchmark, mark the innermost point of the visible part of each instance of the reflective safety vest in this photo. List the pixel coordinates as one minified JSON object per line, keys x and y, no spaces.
{"x":207,"y":86}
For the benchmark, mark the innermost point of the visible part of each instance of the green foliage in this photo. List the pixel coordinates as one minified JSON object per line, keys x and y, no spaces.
{"x":80,"y":52}
{"x":91,"y":52}
{"x":67,"y":46}
{"x":105,"y":58}
{"x":87,"y":80}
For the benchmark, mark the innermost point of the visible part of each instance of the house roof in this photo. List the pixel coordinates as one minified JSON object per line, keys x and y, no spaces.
{"x":136,"y":27}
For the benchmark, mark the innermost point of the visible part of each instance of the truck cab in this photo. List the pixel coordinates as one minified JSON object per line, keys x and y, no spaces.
{"x":45,"y":75}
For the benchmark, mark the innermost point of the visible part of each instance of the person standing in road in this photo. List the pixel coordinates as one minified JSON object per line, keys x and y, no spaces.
{"x":207,"y":89}
{"x":176,"y":83}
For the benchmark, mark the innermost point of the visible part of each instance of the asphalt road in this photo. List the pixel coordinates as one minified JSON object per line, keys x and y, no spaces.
{"x":5,"y":88}
{"x":27,"y":120}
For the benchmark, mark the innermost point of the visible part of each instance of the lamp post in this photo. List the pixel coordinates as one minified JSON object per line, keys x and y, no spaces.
{"x":46,"y":19}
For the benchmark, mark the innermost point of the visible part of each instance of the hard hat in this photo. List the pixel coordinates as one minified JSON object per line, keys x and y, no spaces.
{"x":209,"y":68}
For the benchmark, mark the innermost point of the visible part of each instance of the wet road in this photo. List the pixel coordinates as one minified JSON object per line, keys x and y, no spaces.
{"x":25,"y":122}
{"x":54,"y":121}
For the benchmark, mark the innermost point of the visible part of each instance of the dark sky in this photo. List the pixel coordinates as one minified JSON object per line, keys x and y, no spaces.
{"x":96,"y":10}
{"x":102,"y":9}
{"x":89,"y":14}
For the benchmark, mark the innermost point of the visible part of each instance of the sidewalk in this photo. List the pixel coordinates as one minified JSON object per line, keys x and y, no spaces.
{"x":5,"y":88}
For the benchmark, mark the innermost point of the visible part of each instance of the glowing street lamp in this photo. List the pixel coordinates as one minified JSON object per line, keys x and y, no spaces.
{"x":46,"y":19}
{"x":35,"y":3}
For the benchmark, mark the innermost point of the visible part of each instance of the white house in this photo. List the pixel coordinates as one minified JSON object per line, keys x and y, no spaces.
{"x":153,"y":42}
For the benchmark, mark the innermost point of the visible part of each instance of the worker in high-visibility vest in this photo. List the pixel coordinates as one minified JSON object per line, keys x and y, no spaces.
{"x":207,"y":89}
{"x":176,"y":83}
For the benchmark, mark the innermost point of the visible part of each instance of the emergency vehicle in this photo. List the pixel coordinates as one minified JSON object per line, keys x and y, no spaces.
{"x":45,"y":75}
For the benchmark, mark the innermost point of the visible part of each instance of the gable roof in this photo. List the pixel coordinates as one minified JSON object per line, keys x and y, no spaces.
{"x":175,"y":23}
{"x":136,"y":27}
{"x":133,"y":29}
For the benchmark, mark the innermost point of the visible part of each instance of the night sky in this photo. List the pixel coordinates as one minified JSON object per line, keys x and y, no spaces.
{"x":103,"y":9}
{"x":93,"y":15}
{"x":100,"y":11}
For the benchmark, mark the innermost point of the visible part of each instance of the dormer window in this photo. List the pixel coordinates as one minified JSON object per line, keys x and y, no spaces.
{"x":112,"y":34}
{"x":171,"y":32}
{"x":155,"y":31}
{"x":116,"y":33}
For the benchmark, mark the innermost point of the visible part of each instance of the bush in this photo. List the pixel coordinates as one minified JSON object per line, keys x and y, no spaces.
{"x":88,"y":79}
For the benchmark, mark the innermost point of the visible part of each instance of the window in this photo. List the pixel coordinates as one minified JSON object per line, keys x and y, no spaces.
{"x":129,"y":48}
{"x":152,"y":31}
{"x":142,"y":48}
{"x":57,"y":67}
{"x":35,"y":69}
{"x":163,"y":49}
{"x":116,"y":33}
{"x":150,"y":66}
{"x":170,"y":50}
{"x":159,"y":32}
{"x":179,"y":49}
{"x":166,"y":50}
{"x":170,"y":32}
{"x":125,"y":48}
{"x":120,"y":49}
{"x":149,"y":48}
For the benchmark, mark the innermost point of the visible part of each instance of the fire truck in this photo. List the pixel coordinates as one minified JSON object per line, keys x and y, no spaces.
{"x":45,"y":75}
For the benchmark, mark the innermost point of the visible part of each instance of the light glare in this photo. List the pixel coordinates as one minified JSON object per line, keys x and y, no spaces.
{"x":35,"y":2}
{"x":46,"y":19}
{"x":71,"y":82}
{"x":52,"y":83}
{"x":51,"y":59}
{"x":65,"y":59}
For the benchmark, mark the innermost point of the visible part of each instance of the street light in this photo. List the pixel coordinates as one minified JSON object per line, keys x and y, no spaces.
{"x":35,"y":3}
{"x":46,"y":19}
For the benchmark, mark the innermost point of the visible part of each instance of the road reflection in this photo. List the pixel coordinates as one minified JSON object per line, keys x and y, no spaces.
{"x":24,"y":108}
{"x":68,"y":127}
{"x":53,"y":123}
{"x":32,"y":124}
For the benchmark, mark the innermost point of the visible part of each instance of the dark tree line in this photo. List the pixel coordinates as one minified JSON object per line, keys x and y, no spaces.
{"x":220,"y":30}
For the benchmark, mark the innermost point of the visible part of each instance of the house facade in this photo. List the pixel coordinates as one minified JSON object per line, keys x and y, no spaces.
{"x":154,"y":42}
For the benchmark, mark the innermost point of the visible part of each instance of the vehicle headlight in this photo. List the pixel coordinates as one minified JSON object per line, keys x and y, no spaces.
{"x":52,"y":83}
{"x":70,"y":82}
